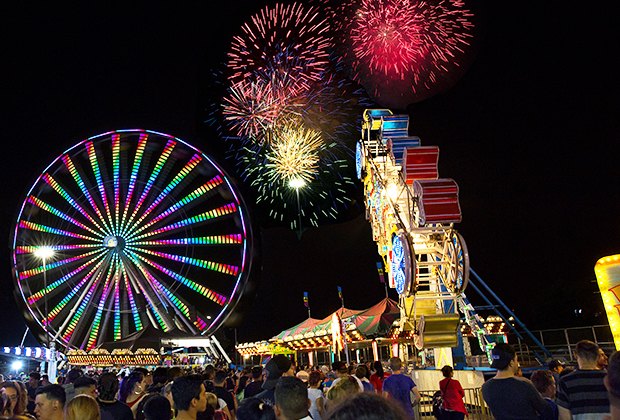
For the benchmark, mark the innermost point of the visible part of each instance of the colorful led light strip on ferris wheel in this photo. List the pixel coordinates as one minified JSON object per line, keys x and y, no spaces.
{"x":42,"y":228}
{"x":208,"y":265}
{"x":233,"y":239}
{"x":194,"y":161}
{"x":163,"y":158}
{"x":94,"y":330}
{"x":210,"y":294}
{"x":134,"y":175}
{"x":50,"y":209}
{"x":197,"y":193}
{"x":94,"y":163}
{"x":201,"y":324}
{"x":78,"y":180}
{"x":208,"y":215}
{"x":34,"y":298}
{"x":132,"y":303}
{"x":64,"y":194}
{"x":29,"y":249}
{"x":33,"y":271}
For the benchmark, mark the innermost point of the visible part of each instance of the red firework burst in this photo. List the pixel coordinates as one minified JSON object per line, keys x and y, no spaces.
{"x":288,"y":42}
{"x":403,"y":48}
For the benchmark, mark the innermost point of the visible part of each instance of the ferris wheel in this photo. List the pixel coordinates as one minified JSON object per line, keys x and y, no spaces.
{"x":145,"y":230}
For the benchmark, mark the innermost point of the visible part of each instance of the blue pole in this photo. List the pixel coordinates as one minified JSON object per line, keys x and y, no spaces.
{"x":517,"y":320}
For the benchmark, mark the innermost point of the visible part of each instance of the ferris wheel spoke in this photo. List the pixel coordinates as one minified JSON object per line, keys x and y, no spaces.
{"x":163,"y":158}
{"x":207,"y":265}
{"x":94,"y":163}
{"x":197,"y":193}
{"x":132,"y":303}
{"x":198,"y":288}
{"x":82,"y":185}
{"x":193,"y":162}
{"x":48,"y":229}
{"x":51,"y":265}
{"x":63,"y":216}
{"x":222,"y":211}
{"x":231,"y":239}
{"x":74,"y":291}
{"x":49,"y":180}
{"x":29,"y":249}
{"x":107,"y":287}
{"x":142,"y":140}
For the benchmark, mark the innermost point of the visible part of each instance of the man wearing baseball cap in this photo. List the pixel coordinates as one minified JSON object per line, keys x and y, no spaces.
{"x":510,"y":396}
{"x":278,"y":366}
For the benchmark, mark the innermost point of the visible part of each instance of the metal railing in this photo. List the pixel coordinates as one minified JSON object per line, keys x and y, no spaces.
{"x":477,"y":409}
{"x":560,"y":342}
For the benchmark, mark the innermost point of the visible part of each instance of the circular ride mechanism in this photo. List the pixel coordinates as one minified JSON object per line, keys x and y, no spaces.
{"x":146,"y":230}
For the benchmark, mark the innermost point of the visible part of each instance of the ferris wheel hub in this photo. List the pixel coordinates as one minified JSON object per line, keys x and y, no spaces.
{"x":116,"y":243}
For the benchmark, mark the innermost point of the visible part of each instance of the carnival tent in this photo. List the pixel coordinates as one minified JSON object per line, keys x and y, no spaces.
{"x":374,"y":321}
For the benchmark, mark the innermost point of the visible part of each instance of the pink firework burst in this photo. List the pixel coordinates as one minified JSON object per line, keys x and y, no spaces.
{"x":251,"y":108}
{"x":288,"y":42}
{"x":403,"y":50}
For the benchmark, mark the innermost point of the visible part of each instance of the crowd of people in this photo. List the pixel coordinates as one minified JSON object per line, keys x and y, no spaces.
{"x":278,"y":390}
{"x":283,"y":390}
{"x":590,"y":390}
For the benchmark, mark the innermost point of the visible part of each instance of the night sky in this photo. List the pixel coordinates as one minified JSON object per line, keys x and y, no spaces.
{"x":530,"y":134}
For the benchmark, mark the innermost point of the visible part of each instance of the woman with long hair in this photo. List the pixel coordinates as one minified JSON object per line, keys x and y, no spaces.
{"x":378,"y":376}
{"x":133,"y":389}
{"x":16,"y":399}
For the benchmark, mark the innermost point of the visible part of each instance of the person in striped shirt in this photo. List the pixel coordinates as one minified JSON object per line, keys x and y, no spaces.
{"x":582,"y":394}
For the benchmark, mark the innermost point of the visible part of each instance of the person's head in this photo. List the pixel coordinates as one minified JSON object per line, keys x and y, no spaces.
{"x":160,"y":375}
{"x":45,"y":380}
{"x":148,"y":376}
{"x":278,"y":366}
{"x":220,"y":377}
{"x":586,"y":352}
{"x":82,"y":407}
{"x":33,"y":379}
{"x":344,"y":388}
{"x":73,"y":374}
{"x":132,"y":383}
{"x":340,"y":368}
{"x":447,"y":371}
{"x":157,"y":407}
{"x":361,"y":371}
{"x":257,"y":372}
{"x":544,"y":382}
{"x":395,"y":364}
{"x":314,"y":379}
{"x":209,"y":372}
{"x":212,"y":400}
{"x":50,"y":402}
{"x":602,"y":361}
{"x":174,"y":372}
{"x":378,"y":368}
{"x":612,"y":380}
{"x":556,"y":366}
{"x":107,"y":387}
{"x":303,"y":375}
{"x":188,"y":394}
{"x":291,"y":398}
{"x":253,"y":408}
{"x":504,"y":358}
{"x":15,"y":398}
{"x":85,"y":385}
{"x":367,"y":406}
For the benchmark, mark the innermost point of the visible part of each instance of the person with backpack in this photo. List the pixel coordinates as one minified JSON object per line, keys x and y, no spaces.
{"x":452,"y":393}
